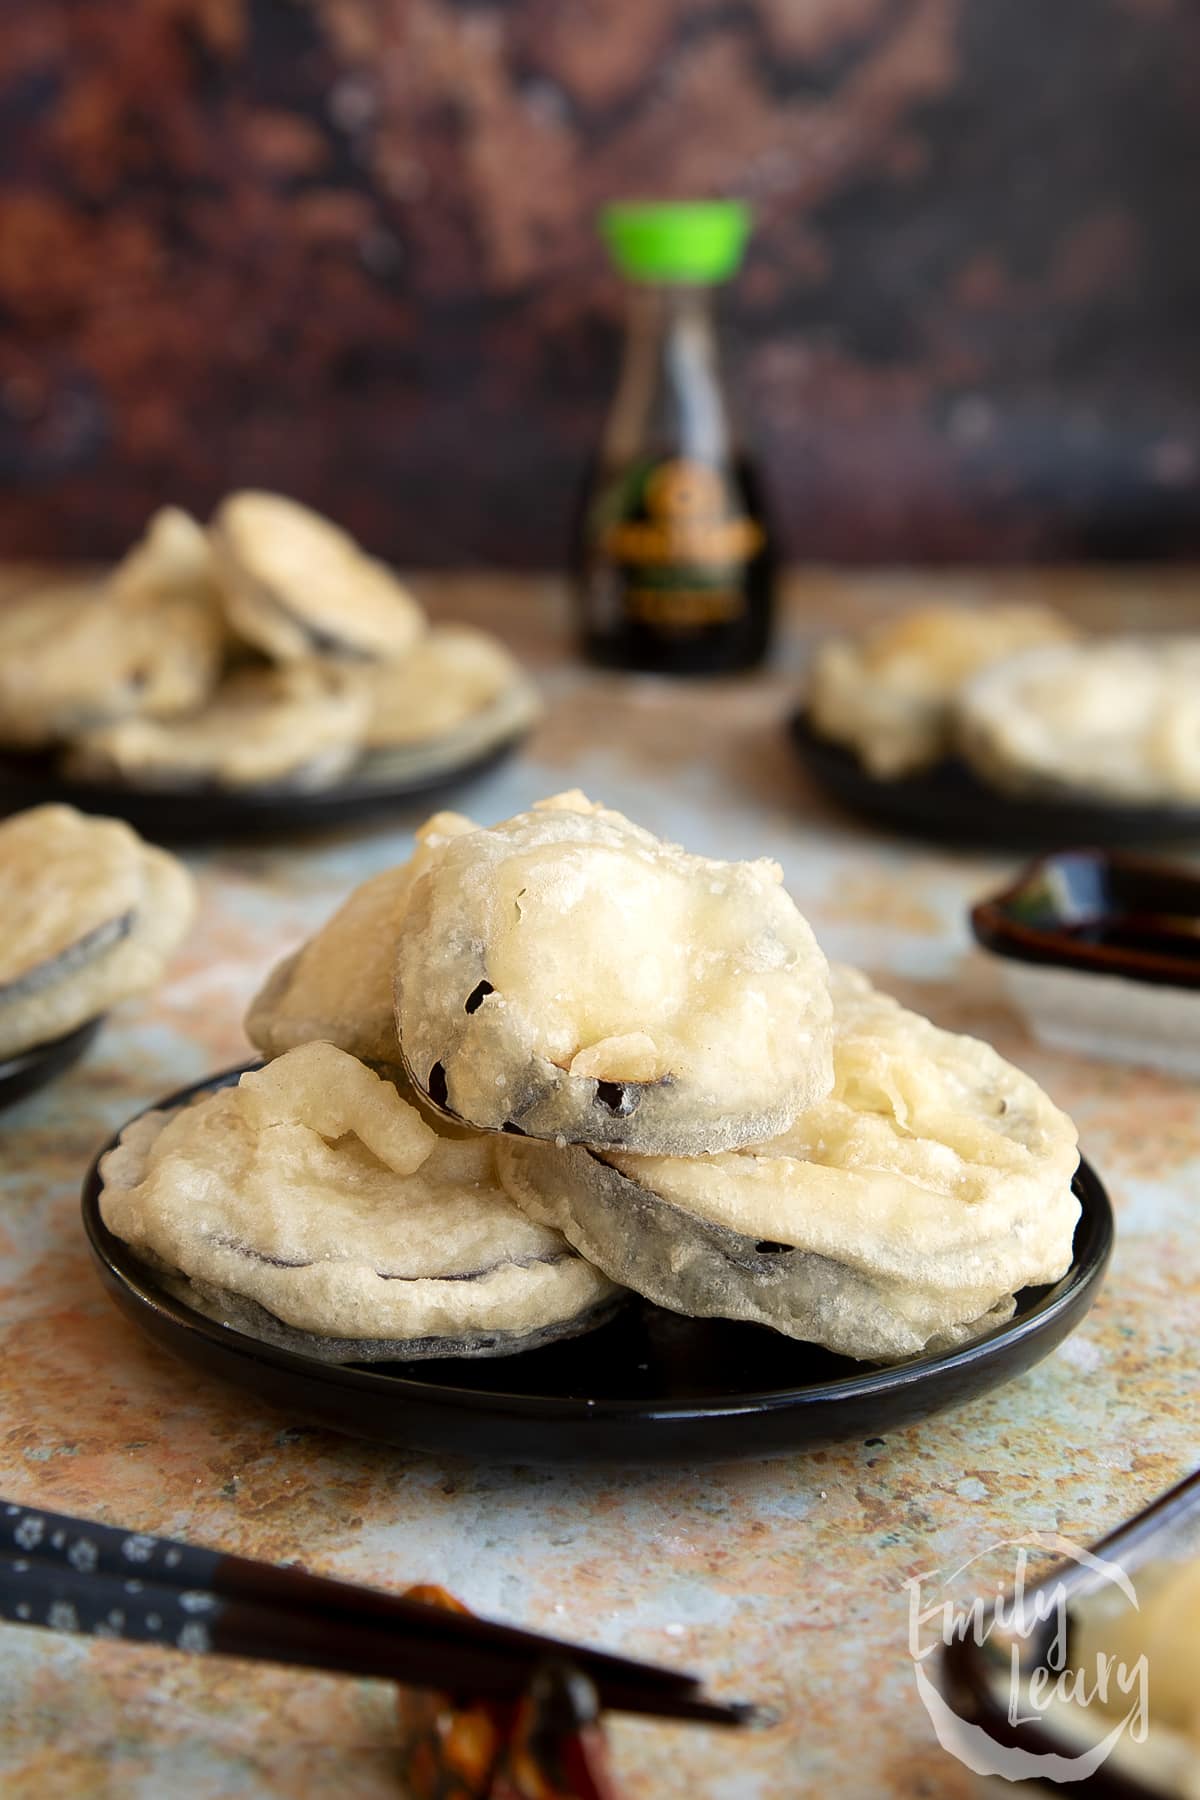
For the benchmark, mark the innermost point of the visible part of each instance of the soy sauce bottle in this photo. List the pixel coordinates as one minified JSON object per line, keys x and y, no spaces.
{"x":674,"y":564}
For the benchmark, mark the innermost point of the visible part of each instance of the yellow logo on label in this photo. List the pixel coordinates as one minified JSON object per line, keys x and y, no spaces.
{"x":688,"y":522}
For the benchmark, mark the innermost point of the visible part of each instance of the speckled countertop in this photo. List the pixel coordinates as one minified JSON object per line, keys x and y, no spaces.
{"x":783,"y":1581}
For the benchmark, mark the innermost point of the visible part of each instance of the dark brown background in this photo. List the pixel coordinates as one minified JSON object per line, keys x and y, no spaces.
{"x":345,"y":248}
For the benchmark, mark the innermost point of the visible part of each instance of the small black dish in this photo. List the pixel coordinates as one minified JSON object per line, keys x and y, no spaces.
{"x":948,"y":803}
{"x":206,"y":815}
{"x":1100,"y":950}
{"x":976,"y":1669}
{"x":32,"y":1069}
{"x":1099,"y":912}
{"x":649,"y":1387}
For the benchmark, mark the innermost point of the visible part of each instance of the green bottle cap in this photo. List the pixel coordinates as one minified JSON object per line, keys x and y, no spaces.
{"x":676,"y":240}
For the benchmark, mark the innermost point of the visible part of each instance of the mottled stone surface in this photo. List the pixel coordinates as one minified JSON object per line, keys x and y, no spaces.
{"x":781,"y":1581}
{"x":345,"y":248}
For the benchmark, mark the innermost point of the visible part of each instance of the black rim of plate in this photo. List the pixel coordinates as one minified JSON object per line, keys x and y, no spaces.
{"x":199,"y":814}
{"x":32,"y":1069}
{"x":949,"y":803}
{"x":439,"y":1415}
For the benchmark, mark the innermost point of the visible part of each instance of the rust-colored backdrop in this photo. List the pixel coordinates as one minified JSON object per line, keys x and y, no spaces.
{"x":344,"y":248}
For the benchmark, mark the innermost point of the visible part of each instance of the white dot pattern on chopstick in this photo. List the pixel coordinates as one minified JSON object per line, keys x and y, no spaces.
{"x":74,"y":1577}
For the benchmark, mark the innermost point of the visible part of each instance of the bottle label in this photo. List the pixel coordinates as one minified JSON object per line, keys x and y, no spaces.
{"x":683,"y":553}
{"x":687,"y":521}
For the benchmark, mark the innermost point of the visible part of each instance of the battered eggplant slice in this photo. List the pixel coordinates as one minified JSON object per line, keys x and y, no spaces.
{"x":296,"y":586}
{"x":901,"y":1214}
{"x":450,"y":676}
{"x":1118,"y":719}
{"x":312,"y":1207}
{"x":567,"y":975}
{"x":889,"y":693}
{"x":507,"y":717}
{"x":300,"y":726}
{"x":338,"y":985}
{"x":173,"y":560}
{"x":146,"y":642}
{"x":91,"y":915}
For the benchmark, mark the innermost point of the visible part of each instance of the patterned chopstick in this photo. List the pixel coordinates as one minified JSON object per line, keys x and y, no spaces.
{"x":70,"y":1575}
{"x":59,"y":1598}
{"x":84,"y":1545}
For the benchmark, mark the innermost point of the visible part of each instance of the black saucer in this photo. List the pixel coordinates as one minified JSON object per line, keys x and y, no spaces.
{"x":204,"y":815}
{"x":32,"y":1069}
{"x":948,"y":803}
{"x":649,"y":1387}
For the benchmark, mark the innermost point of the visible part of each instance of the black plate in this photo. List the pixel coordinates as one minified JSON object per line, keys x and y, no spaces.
{"x":24,"y":1074}
{"x":949,"y":804}
{"x":201,"y":815}
{"x":649,"y":1387}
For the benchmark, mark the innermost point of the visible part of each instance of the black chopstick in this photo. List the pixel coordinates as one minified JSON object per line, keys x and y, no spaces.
{"x":134,"y":1610}
{"x":85,"y":1546}
{"x":73,"y":1575}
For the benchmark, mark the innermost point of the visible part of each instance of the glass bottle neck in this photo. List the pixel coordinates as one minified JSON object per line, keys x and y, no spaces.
{"x":669,"y":398}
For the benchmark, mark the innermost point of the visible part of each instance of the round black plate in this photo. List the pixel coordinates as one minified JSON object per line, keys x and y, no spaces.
{"x":201,"y":815}
{"x":649,"y":1387}
{"x":24,"y":1074}
{"x":949,"y":804}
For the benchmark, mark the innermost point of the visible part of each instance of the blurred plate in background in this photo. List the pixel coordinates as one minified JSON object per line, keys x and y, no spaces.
{"x":949,"y":804}
{"x":378,"y":785}
{"x":32,"y":1069}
